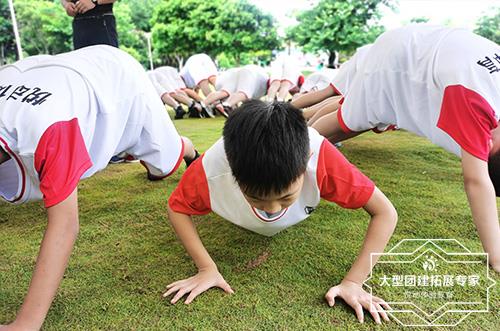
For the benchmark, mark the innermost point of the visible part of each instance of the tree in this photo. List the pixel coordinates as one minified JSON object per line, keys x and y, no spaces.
{"x":7,"y":41}
{"x":489,"y":26}
{"x":338,"y":26}
{"x":141,"y":12}
{"x":44,"y":27}
{"x":243,"y":28}
{"x":235,"y":27}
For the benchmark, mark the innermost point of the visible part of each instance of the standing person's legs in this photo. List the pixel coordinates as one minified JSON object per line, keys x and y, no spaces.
{"x":94,"y":31}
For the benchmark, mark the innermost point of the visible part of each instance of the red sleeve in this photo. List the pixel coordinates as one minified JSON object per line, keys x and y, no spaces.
{"x":61,"y":158}
{"x":468,"y":118}
{"x":341,"y":182}
{"x":191,"y":196}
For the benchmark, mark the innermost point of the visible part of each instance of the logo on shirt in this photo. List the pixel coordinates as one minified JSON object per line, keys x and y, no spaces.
{"x":309,"y":210}
{"x":489,"y":64}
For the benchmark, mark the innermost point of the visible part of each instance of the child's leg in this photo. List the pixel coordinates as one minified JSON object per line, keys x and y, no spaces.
{"x":169,"y":101}
{"x":331,"y":105}
{"x":216,"y":96}
{"x":236,"y":98}
{"x":205,"y":87}
{"x":311,"y":98}
{"x":273,"y":89}
{"x":285,"y":86}
{"x":192,"y":94}
{"x":182,"y":98}
{"x":309,"y":112}
{"x":328,"y":126}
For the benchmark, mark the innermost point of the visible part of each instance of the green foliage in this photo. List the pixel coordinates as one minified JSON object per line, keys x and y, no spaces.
{"x":489,"y":26}
{"x":338,"y":25}
{"x":141,"y":12}
{"x":421,"y":19}
{"x":131,"y":39}
{"x":185,"y":27}
{"x":7,"y":40}
{"x":44,"y":27}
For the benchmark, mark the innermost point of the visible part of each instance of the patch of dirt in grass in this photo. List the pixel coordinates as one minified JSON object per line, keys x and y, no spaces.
{"x":255,"y":263}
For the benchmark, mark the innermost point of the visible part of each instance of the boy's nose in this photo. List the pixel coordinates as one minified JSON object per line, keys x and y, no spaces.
{"x":272,"y":209}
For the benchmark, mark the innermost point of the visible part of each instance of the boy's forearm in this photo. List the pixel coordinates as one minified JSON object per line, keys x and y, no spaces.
{"x":482,"y":201}
{"x":186,"y":231}
{"x":380,"y":230}
{"x":312,"y":98}
{"x":55,"y":250}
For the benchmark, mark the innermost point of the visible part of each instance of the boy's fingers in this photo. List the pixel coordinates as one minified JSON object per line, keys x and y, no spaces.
{"x":382,"y":303}
{"x":194,"y":293}
{"x":374,"y":313}
{"x":225,"y":286}
{"x":178,"y":295}
{"x":171,"y":290}
{"x":173,"y":284}
{"x":330,"y":296}
{"x":382,"y":312}
{"x":359,"y":311}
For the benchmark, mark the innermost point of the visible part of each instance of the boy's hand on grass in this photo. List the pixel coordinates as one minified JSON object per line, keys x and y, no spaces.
{"x":13,"y":327}
{"x":199,"y":283}
{"x":356,"y":297}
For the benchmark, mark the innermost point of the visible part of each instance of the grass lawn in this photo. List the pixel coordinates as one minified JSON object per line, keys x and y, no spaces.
{"x":127,"y":253}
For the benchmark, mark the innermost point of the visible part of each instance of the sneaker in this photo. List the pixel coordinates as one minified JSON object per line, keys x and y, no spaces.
{"x":206,"y":112}
{"x":179,"y":112}
{"x":116,"y":159}
{"x":193,"y":112}
{"x":221,"y":110}
{"x":338,"y":145}
{"x":228,"y":109}
{"x":130,"y":159}
{"x":189,"y":162}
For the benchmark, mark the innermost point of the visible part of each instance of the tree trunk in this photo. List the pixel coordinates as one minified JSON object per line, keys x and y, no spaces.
{"x":332,"y":56}
{"x":2,"y":55}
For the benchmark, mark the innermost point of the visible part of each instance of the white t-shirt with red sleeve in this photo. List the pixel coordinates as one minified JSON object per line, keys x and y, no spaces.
{"x":63,"y":118}
{"x":208,"y":185}
{"x":437,"y":82}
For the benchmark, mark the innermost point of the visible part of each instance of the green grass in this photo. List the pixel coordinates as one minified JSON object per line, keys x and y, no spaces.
{"x":127,"y":253}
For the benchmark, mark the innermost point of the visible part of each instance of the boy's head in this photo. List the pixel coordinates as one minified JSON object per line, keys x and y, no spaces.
{"x":494,"y":160}
{"x":267,"y":146}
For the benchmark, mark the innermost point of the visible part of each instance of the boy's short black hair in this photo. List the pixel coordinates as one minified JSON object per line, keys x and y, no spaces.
{"x":494,"y":170}
{"x":267,"y":146}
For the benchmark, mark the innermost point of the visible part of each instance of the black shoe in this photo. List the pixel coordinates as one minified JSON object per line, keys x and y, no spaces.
{"x":189,"y":162}
{"x":179,"y":112}
{"x":193,"y":112}
{"x":206,"y":112}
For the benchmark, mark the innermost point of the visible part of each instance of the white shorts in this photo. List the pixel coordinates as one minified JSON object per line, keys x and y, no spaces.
{"x":285,"y":68}
{"x":318,"y":80}
{"x":172,"y":75}
{"x":250,"y":80}
{"x":343,"y":79}
{"x":198,"y":68}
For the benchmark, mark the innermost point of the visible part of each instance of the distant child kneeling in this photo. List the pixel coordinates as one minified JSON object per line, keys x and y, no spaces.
{"x":267,"y":173}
